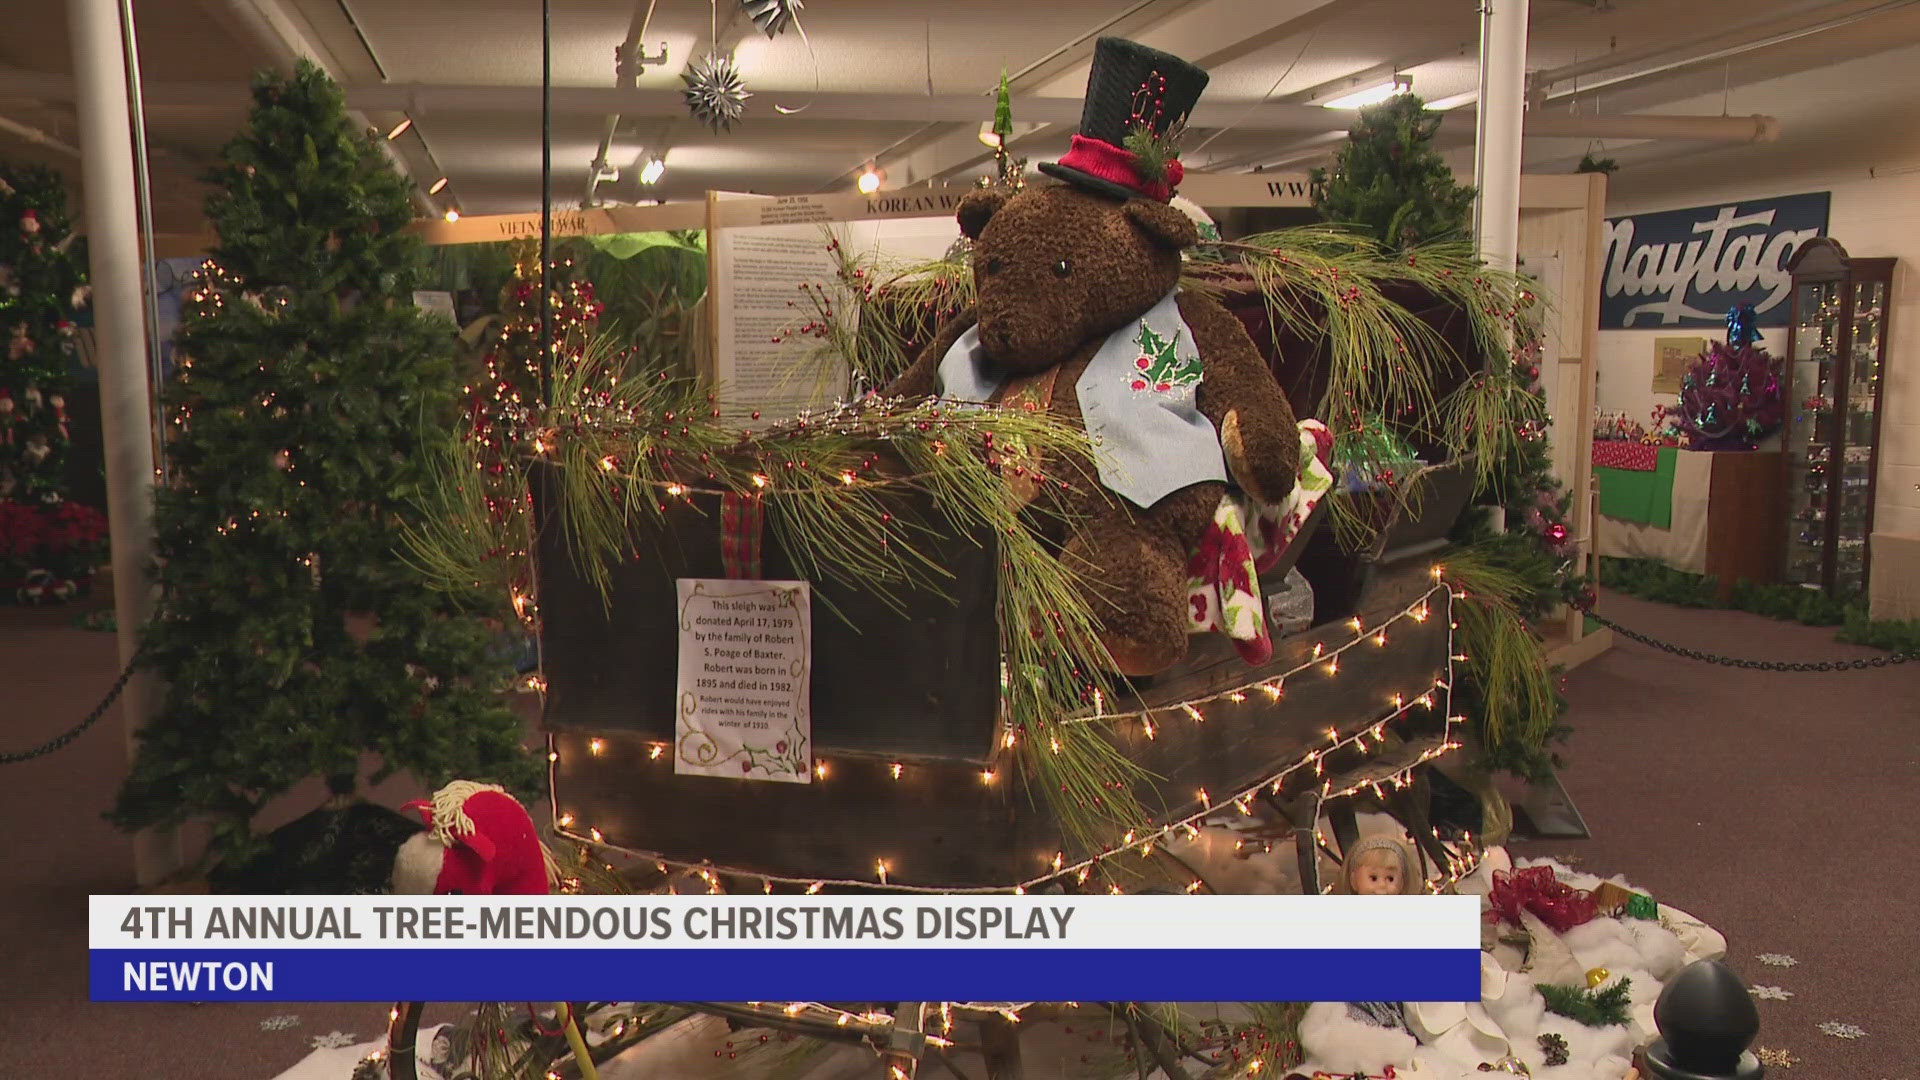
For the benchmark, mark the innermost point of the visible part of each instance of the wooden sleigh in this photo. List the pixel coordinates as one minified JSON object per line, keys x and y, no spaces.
{"x":914,"y":784}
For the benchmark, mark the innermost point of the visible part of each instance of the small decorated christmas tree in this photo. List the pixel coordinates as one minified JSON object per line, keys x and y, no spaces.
{"x":48,"y":544}
{"x":1389,"y":181}
{"x":1730,"y":398}
{"x":292,"y":636}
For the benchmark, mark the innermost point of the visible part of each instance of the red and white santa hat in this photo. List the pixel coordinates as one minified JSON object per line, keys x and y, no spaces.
{"x":479,"y":841}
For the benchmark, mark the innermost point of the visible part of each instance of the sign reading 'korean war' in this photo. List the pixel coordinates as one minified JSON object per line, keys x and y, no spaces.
{"x":1690,"y":267}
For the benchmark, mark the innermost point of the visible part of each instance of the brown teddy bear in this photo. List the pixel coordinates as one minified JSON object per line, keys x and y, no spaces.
{"x":1078,"y":311}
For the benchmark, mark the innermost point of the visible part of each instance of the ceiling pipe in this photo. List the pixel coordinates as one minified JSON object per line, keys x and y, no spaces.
{"x":37,"y":137}
{"x":1693,"y":53}
{"x":954,"y":108}
{"x":630,"y":62}
{"x":1704,"y":129}
{"x":1722,"y":129}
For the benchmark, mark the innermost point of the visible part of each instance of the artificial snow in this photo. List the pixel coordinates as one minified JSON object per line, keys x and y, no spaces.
{"x":1447,"y":1041}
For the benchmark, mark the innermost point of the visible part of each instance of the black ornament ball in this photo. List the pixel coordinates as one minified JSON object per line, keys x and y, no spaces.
{"x":1707,"y":1020}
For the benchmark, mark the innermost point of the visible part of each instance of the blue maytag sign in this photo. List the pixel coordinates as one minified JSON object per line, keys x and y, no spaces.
{"x":1689,"y":267}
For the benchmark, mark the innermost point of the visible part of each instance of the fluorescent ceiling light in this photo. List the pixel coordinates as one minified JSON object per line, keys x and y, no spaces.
{"x":438,"y":186}
{"x":1372,"y":95}
{"x":651,"y":172}
{"x":452,"y":215}
{"x":1454,"y":102}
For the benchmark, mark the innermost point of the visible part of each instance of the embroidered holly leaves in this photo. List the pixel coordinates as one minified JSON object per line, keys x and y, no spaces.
{"x":1159,"y":368}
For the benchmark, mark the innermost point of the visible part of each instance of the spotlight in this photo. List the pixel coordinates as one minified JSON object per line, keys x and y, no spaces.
{"x":452,"y":215}
{"x":438,"y":186}
{"x":869,"y":181}
{"x":651,"y":172}
{"x":1372,"y":95}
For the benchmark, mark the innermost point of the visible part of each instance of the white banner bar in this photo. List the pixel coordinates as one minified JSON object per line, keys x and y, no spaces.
{"x":785,"y":922}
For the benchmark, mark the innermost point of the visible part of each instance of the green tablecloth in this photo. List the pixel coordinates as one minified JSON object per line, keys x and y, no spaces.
{"x":1645,"y":498}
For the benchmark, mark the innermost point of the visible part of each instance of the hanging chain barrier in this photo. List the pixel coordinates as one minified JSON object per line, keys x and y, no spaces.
{"x":64,"y":739}
{"x":1754,"y":665}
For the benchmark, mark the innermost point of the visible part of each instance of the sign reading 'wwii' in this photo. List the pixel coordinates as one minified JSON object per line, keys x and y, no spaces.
{"x":1690,"y":267}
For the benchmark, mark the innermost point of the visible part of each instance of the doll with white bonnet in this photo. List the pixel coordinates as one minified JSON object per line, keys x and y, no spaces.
{"x":1380,"y":865}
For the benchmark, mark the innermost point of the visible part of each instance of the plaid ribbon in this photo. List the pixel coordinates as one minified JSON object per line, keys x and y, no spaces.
{"x":741,"y":518}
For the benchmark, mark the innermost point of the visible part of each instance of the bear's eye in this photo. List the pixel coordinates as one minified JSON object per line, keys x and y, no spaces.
{"x":993,"y":264}
{"x":1063,"y":268}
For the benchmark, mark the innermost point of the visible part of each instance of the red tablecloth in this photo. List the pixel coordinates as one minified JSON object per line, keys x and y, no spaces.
{"x":1621,"y":454}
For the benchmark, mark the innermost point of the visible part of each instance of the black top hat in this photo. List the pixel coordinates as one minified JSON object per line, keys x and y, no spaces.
{"x":1130,"y":88}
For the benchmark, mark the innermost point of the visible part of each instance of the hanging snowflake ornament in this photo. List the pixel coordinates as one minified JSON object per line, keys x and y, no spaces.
{"x":716,"y":94}
{"x":1842,"y":1031}
{"x":773,"y":17}
{"x":333,"y":1040}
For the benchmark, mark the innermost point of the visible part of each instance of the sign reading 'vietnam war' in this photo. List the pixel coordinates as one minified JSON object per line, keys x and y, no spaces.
{"x":1690,"y":267}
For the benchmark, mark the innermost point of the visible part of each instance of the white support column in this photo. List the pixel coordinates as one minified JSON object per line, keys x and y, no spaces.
{"x":1503,"y":89}
{"x":113,"y":252}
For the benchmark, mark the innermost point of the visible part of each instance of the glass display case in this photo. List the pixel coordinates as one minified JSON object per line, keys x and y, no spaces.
{"x":1837,"y":341}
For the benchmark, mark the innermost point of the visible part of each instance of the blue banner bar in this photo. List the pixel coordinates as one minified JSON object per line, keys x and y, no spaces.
{"x":343,"y":975}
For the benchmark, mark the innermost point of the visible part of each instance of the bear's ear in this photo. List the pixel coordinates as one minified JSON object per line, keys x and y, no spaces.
{"x":979,"y":206}
{"x":1164,"y":224}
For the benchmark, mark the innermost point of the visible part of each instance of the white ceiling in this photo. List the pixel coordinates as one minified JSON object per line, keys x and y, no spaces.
{"x":911,"y":58}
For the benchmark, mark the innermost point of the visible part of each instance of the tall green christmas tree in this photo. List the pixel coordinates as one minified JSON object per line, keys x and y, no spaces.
{"x":47,"y":543}
{"x":292,"y":637}
{"x":1389,"y":181}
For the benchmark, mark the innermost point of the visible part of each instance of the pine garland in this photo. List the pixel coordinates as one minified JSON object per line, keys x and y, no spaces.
{"x":1594,"y":1008}
{"x":832,"y":482}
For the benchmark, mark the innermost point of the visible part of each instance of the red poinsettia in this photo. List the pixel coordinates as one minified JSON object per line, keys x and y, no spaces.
{"x":61,"y":531}
{"x":1223,"y":558}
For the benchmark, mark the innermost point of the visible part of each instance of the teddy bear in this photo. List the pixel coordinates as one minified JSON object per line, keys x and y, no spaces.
{"x":1078,"y":311}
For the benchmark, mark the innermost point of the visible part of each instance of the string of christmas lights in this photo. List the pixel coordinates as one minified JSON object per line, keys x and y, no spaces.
{"x":1144,"y":842}
{"x":1274,"y":686}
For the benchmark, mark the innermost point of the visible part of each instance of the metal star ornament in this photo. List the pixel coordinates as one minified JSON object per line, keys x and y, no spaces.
{"x":716,"y":94}
{"x":773,"y":17}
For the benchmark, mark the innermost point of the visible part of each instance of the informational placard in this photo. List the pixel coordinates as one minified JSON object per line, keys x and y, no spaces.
{"x":765,"y":360}
{"x":746,"y":668}
{"x":1671,"y":358}
{"x":774,"y":286}
{"x":436,"y":302}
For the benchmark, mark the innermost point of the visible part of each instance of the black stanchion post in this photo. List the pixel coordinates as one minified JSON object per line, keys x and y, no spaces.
{"x":1707,"y":1022}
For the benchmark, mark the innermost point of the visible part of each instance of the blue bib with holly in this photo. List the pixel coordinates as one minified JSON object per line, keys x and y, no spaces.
{"x":1138,"y":399}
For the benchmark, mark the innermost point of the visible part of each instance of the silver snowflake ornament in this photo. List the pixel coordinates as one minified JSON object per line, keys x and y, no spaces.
{"x":771,"y":16}
{"x":333,"y":1040}
{"x":1770,"y":993}
{"x":279,"y":1023}
{"x":1842,"y":1031}
{"x":1774,"y":959}
{"x":716,"y":94}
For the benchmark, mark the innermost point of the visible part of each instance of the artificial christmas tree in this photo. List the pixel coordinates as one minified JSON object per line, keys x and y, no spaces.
{"x":292,"y":636}
{"x":1390,"y":183}
{"x":48,"y":545}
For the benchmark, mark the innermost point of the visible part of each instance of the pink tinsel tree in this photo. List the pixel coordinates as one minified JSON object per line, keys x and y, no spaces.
{"x":1729,"y":399}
